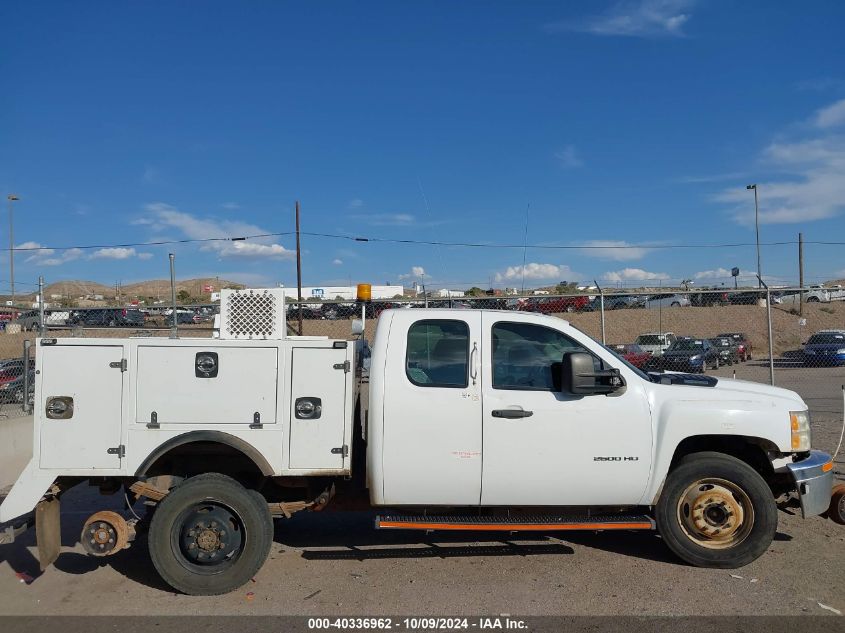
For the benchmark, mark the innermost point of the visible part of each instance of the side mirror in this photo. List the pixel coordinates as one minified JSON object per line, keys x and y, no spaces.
{"x":579,"y":376}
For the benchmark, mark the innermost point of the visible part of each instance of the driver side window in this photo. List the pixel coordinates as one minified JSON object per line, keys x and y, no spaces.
{"x":525,"y":356}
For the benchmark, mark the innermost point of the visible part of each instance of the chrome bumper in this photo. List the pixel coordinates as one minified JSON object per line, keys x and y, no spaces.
{"x":814,"y":481}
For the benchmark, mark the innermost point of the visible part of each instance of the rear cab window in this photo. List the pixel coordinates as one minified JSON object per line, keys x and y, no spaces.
{"x":437,"y":353}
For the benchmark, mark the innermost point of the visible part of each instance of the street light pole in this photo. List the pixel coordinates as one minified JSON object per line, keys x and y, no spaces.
{"x":11,"y":198}
{"x":757,"y":228}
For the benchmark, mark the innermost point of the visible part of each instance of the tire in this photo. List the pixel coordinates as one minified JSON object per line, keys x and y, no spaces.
{"x":675,"y":304}
{"x":212,"y":500}
{"x":813,"y":300}
{"x":717,"y":363}
{"x":737,"y":489}
{"x":836,"y":511}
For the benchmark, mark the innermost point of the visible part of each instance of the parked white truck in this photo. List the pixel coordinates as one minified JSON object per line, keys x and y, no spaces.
{"x":452,"y":420}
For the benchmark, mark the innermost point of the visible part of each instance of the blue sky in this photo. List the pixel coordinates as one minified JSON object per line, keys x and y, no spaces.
{"x":618,"y":123}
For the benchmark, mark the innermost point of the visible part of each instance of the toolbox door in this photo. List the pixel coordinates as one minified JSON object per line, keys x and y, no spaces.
{"x":80,"y":406}
{"x":318,"y":408}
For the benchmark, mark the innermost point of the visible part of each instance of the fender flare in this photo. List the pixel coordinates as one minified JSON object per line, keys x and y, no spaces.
{"x":217,"y":437}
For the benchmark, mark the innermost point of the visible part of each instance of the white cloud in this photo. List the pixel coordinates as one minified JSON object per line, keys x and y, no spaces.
{"x":618,"y":250}
{"x":113,"y":253}
{"x":49,"y":256}
{"x":721,"y":273}
{"x":337,"y":262}
{"x":811,"y":189}
{"x":568,"y":157}
{"x":537,"y":272}
{"x":163,"y":216}
{"x":385,"y":219}
{"x":634,"y":274}
{"x":642,"y":18}
{"x":831,"y":116}
{"x":356,"y":203}
{"x":53,"y":257}
{"x":150,"y":175}
{"x":416,"y":273}
{"x":231,"y":206}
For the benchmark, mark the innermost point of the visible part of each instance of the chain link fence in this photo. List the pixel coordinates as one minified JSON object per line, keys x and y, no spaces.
{"x":721,"y":331}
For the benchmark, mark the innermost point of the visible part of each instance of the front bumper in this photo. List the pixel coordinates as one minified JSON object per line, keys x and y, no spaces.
{"x":813,"y":478}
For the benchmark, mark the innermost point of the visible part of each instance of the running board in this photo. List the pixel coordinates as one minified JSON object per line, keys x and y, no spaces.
{"x":537,"y":523}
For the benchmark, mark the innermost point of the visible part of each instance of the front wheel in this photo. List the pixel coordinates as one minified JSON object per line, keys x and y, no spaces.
{"x":210,"y":535}
{"x":716,"y":511}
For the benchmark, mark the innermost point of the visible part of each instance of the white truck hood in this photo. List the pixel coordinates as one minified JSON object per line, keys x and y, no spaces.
{"x":727,"y":389}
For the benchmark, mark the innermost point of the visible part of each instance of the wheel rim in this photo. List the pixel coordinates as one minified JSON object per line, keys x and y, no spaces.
{"x":208,"y":537}
{"x":841,"y":508}
{"x":715,"y":513}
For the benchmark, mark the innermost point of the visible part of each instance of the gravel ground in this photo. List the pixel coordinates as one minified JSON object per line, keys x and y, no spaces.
{"x":335,"y":563}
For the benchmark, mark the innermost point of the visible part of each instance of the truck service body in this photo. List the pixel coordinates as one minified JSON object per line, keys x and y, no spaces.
{"x":453,"y":419}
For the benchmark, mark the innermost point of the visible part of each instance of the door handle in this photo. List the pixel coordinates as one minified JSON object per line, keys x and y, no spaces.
{"x":512,"y":414}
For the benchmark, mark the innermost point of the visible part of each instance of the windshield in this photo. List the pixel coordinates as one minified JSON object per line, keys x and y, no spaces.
{"x":650,"y":339}
{"x":828,"y":338}
{"x":687,"y":345}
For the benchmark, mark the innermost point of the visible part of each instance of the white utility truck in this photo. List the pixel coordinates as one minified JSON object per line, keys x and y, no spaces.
{"x":453,"y":420}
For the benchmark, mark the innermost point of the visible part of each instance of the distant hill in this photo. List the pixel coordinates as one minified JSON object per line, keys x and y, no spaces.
{"x":158,"y":288}
{"x":74,"y":288}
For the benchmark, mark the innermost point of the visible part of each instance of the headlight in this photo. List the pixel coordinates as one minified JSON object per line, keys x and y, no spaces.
{"x":799,"y":422}
{"x":840,"y":351}
{"x":696,"y":357}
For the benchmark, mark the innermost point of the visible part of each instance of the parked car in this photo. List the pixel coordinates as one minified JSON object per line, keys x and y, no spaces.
{"x":11,"y":379}
{"x":555,"y":305}
{"x":750,"y":297}
{"x":791,"y":298}
{"x":29,"y":320}
{"x":108,"y":317}
{"x":691,"y":354}
{"x":13,"y":390}
{"x":667,"y":301}
{"x":655,"y":342}
{"x":743,"y":343}
{"x":728,"y":349}
{"x":826,"y":347}
{"x":633,"y":353}
{"x":708,"y":297}
{"x":620,"y":302}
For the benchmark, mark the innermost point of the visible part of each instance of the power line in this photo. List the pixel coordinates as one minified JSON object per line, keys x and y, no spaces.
{"x":387,"y":240}
{"x":19,"y":249}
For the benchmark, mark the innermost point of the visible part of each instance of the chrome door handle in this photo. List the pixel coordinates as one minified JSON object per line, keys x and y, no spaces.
{"x":473,"y":370}
{"x":512,"y":414}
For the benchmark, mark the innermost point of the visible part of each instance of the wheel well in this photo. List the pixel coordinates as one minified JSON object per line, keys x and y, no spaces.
{"x":751,"y":450}
{"x":206,"y":451}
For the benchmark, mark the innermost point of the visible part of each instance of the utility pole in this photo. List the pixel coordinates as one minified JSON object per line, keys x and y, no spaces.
{"x":801,"y":274}
{"x":757,"y":229}
{"x":298,"y":269}
{"x":12,"y":198}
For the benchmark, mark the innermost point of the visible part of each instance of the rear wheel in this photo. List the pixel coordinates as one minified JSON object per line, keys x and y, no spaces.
{"x":716,"y":511}
{"x":675,"y":304}
{"x":210,"y":535}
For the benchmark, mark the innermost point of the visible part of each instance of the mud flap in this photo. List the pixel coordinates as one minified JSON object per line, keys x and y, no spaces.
{"x":48,"y":533}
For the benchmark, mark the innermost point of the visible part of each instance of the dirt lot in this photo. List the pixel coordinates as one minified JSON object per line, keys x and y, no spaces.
{"x":337,"y":564}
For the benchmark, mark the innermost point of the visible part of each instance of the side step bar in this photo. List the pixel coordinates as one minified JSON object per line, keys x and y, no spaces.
{"x":537,"y":523}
